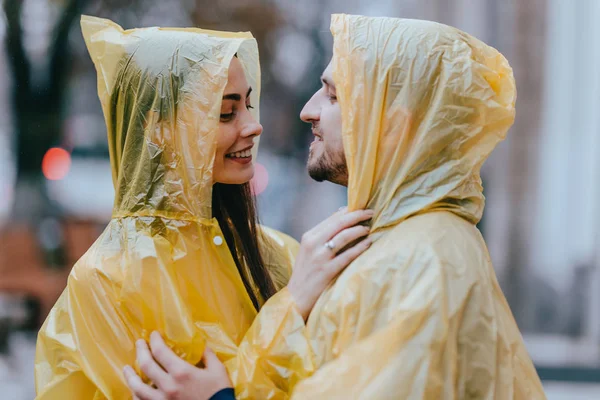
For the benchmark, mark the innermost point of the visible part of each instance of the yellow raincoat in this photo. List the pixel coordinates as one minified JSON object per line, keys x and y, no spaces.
{"x":162,"y":262}
{"x":420,"y":315}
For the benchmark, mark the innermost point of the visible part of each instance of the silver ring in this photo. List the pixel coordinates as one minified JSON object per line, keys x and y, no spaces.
{"x":330,"y":245}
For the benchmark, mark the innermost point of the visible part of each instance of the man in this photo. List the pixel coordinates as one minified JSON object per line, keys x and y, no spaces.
{"x":408,"y":112}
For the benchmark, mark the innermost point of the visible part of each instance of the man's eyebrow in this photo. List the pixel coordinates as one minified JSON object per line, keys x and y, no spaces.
{"x":236,"y":96}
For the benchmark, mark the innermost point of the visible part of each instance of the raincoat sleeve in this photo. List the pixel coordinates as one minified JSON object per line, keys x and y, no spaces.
{"x":90,"y":334}
{"x":57,"y":348}
{"x":77,"y":357}
{"x":275,"y":353}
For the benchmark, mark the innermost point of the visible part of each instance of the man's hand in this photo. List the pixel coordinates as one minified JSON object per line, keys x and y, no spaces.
{"x":174,"y":378}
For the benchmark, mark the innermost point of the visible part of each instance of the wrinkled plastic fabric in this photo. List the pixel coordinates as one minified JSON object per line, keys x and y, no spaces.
{"x":420,"y":315}
{"x":162,"y":262}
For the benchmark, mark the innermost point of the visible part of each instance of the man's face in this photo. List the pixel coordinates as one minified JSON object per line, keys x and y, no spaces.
{"x":326,"y":160}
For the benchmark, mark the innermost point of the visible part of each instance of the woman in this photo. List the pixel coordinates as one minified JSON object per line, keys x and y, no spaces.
{"x":183,"y":254}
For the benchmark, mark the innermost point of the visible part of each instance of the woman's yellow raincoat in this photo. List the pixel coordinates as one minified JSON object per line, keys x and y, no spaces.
{"x":162,"y":263}
{"x":420,"y":315}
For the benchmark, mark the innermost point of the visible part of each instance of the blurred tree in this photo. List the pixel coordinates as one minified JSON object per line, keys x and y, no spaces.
{"x":37,"y":117}
{"x":262,"y":18}
{"x":36,"y":104}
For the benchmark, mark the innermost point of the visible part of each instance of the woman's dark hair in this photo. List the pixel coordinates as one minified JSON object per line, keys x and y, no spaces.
{"x":233,"y":206}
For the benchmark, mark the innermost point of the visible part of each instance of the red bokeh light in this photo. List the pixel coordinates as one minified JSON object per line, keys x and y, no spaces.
{"x":260,"y":180}
{"x":56,"y":164}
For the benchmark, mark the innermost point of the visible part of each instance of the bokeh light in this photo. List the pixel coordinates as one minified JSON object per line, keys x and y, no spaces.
{"x":260,"y":181}
{"x":56,"y":163}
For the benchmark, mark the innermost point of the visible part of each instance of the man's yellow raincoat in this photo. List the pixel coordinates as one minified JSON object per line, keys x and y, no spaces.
{"x":420,"y":315}
{"x":162,"y":263}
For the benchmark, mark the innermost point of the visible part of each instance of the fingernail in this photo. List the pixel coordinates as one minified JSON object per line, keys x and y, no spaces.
{"x":127,"y":370}
{"x":139,"y":342}
{"x":370,"y":212}
{"x":344,"y":208}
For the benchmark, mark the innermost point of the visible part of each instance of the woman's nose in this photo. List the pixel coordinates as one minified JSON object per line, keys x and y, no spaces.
{"x":252,"y":128}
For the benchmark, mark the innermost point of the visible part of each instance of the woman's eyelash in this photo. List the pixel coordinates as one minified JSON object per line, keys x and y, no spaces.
{"x":231,"y":115}
{"x":227,"y":116}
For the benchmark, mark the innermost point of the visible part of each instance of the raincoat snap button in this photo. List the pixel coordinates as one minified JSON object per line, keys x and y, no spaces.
{"x":218,"y":240}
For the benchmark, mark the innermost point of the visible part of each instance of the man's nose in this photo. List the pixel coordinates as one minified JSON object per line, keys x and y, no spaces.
{"x":311,"y":111}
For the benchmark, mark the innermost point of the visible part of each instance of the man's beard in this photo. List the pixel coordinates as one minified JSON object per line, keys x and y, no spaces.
{"x":328,"y":168}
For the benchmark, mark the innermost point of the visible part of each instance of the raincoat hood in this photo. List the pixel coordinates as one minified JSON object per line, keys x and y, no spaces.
{"x":423,"y":105}
{"x":162,"y":263}
{"x":161,"y":91}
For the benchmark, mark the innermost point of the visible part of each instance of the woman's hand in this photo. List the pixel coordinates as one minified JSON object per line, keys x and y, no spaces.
{"x":324,"y":252}
{"x":174,"y":378}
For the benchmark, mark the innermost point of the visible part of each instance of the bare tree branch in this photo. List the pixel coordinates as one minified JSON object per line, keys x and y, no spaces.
{"x":60,"y":55}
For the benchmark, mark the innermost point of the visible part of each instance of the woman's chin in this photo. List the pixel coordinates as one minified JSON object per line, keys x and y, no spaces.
{"x":236,"y":177}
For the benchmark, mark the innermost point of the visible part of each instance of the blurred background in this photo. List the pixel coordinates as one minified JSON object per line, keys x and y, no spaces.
{"x":542,"y":220}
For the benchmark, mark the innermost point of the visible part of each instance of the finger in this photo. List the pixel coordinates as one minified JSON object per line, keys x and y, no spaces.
{"x":314,"y":234}
{"x":319,"y":227}
{"x":209,"y":358}
{"x":164,"y":355}
{"x":148,"y":365}
{"x":348,"y":236}
{"x":344,"y":259}
{"x":338,"y":222}
{"x":138,"y":388}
